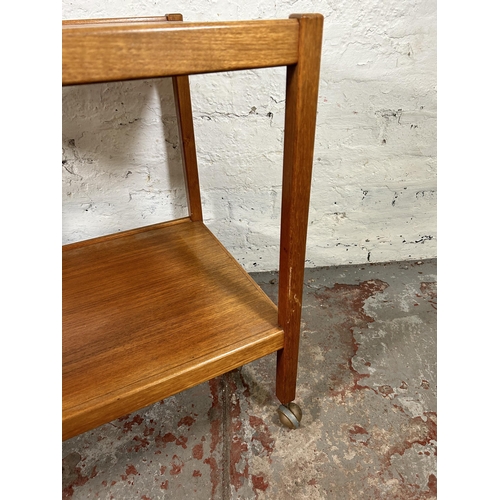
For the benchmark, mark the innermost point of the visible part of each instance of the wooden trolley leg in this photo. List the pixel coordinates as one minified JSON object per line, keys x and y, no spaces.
{"x":182,"y":98}
{"x":300,"y":123}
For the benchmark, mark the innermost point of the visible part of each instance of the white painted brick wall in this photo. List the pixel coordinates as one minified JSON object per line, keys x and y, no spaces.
{"x":374,"y":182}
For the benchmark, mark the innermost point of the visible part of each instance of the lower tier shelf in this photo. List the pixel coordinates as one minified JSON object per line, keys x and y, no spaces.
{"x":150,"y":312}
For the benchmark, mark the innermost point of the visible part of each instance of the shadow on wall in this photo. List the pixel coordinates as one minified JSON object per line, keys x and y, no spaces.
{"x":122,"y":165}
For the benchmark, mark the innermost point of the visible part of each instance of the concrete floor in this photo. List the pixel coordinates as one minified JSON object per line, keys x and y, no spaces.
{"x":366,"y":385}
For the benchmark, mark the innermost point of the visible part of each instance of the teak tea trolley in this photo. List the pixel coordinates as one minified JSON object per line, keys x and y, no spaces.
{"x":152,"y":311}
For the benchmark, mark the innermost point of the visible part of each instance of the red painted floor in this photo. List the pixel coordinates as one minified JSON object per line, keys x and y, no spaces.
{"x":366,"y":386}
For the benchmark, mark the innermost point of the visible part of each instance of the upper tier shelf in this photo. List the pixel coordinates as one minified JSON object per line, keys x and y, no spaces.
{"x":111,"y":51}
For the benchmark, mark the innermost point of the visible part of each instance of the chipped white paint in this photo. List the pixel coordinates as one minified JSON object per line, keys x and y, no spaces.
{"x":374,"y":183}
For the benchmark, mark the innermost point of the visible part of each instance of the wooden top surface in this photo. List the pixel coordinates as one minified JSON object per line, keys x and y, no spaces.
{"x":147,"y":305}
{"x":112,"y":51}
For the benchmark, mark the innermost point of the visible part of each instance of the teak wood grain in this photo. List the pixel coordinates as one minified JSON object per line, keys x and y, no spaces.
{"x":182,"y":98}
{"x":300,"y":125}
{"x":150,"y":313}
{"x":125,"y":51}
{"x":153,"y":311}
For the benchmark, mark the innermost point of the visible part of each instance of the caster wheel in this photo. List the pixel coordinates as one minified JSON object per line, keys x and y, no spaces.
{"x":290,"y":415}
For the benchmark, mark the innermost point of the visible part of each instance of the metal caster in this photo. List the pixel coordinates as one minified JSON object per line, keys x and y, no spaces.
{"x":290,"y":415}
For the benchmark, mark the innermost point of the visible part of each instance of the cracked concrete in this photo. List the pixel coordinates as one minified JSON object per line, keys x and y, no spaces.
{"x":366,"y":384}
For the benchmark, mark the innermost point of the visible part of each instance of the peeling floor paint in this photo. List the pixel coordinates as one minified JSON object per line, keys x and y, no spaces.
{"x":366,"y":385}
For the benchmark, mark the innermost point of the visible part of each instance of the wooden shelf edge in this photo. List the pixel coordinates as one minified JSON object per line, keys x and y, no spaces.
{"x":94,"y":53}
{"x":87,"y":416}
{"x":121,"y":234}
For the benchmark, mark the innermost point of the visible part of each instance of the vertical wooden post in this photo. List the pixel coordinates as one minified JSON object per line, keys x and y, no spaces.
{"x":182,"y":97}
{"x":300,"y":125}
